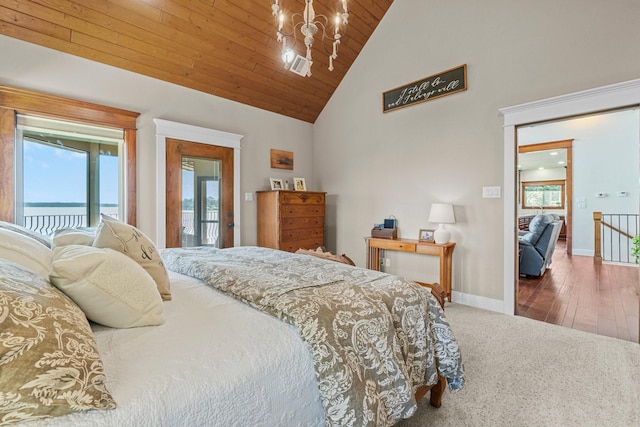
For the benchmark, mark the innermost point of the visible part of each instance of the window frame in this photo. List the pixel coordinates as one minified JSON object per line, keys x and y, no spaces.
{"x":560,"y":182}
{"x":15,"y":101}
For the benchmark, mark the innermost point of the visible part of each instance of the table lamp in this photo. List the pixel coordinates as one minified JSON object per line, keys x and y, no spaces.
{"x":442,"y":213}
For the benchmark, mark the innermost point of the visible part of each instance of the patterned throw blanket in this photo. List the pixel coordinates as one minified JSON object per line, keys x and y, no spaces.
{"x":374,"y":338}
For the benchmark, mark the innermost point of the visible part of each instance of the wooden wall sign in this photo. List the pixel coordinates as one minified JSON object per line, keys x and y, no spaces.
{"x":445,"y":83}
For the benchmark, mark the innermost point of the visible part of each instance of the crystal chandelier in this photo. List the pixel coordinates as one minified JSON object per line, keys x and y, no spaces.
{"x":309,"y":23}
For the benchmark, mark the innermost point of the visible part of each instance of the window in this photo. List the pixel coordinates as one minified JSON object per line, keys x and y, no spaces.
{"x":16,"y":102}
{"x":543,"y":195}
{"x":69,"y":173}
{"x":201,"y":201}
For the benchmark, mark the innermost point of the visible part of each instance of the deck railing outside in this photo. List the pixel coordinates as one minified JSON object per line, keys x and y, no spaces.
{"x":212,"y":224}
{"x":47,"y":224}
{"x":613,"y":236}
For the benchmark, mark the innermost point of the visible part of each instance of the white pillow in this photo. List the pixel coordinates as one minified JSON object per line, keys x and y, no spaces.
{"x":109,"y":287}
{"x":127,"y":239}
{"x":26,"y":251}
{"x":72,"y":236}
{"x":45,"y":240}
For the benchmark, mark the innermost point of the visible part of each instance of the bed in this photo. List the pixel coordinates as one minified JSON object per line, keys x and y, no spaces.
{"x":218,"y":355}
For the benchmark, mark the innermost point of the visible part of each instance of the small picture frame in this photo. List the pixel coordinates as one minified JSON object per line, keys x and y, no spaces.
{"x":299,"y":184}
{"x":426,"y":235}
{"x":276,"y":184}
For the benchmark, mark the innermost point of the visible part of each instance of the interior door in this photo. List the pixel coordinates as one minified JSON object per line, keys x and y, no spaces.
{"x":199,"y":199}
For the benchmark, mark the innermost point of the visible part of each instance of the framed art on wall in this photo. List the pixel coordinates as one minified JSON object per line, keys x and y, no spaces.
{"x":299,"y":184}
{"x":276,"y":184}
{"x":445,"y":83}
{"x":281,"y":159}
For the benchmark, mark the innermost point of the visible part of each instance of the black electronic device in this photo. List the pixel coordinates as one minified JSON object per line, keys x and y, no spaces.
{"x":390,"y":223}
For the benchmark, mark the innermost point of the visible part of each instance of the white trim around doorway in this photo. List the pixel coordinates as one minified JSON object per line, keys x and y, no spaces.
{"x":589,"y":101}
{"x":167,"y":129}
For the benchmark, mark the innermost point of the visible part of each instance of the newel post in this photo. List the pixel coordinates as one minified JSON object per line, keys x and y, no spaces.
{"x":597,"y":238}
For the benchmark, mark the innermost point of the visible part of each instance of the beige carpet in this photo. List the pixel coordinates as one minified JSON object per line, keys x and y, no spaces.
{"x":520,"y":372}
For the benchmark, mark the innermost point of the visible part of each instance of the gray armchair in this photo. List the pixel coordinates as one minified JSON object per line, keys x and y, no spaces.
{"x":537,"y":246}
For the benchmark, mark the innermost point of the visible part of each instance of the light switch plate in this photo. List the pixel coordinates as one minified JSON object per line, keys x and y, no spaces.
{"x":248,"y":197}
{"x":581,"y":202}
{"x":491,"y":192}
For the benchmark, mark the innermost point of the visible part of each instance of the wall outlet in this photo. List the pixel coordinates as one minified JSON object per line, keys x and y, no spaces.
{"x":387,"y":262}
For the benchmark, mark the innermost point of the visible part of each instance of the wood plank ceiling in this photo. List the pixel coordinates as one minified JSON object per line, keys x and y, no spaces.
{"x":227,"y":48}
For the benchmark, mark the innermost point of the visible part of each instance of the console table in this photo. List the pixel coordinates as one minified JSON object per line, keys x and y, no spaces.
{"x":444,"y":251}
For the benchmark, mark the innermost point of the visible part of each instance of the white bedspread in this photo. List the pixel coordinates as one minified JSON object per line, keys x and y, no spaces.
{"x":214,"y":362}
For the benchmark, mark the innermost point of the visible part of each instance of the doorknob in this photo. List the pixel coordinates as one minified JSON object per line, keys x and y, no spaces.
{"x":230,"y":224}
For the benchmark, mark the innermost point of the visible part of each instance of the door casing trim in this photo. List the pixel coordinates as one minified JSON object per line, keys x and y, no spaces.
{"x":168,"y":129}
{"x":602,"y":98}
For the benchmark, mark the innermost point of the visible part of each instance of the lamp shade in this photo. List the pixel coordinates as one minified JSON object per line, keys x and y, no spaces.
{"x":442,"y":213}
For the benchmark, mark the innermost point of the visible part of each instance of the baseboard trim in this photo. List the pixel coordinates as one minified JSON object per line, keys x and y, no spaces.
{"x":478,"y":302}
{"x":582,"y":252}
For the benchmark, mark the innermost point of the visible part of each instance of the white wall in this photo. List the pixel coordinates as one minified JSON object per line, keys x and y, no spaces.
{"x":548,"y":174}
{"x":446,"y":150}
{"x":605,"y":160}
{"x":32,"y":67}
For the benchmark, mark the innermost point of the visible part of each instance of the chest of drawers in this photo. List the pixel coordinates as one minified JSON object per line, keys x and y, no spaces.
{"x":290,"y":220}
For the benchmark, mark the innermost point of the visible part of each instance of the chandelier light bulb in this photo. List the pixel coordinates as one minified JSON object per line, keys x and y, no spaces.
{"x":287,"y":56}
{"x":305,"y":26}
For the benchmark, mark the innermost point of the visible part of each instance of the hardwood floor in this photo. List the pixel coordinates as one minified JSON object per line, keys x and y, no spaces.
{"x":576,"y":293}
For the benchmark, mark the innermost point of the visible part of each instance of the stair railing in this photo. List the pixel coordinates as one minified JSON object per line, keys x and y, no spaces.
{"x":613,"y":235}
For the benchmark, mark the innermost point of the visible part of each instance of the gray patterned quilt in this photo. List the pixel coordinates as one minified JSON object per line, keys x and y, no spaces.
{"x":374,"y":338}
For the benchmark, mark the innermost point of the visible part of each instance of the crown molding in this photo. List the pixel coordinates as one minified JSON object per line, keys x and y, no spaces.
{"x":602,"y":98}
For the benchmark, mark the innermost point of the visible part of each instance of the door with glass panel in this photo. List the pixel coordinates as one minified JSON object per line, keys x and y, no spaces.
{"x":199,"y":207}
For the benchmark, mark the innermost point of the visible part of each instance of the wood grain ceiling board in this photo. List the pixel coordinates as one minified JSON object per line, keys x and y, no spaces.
{"x":227,"y":48}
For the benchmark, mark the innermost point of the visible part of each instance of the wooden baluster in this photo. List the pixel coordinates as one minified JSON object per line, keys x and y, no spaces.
{"x":597,"y":227}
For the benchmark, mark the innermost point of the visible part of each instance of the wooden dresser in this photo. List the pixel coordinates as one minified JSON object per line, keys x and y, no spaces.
{"x":290,"y":220}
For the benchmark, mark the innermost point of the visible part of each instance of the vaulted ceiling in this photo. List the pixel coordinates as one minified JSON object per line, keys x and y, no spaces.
{"x":227,"y":48}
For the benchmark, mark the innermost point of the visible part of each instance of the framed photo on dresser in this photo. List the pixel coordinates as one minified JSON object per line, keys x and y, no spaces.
{"x":276,"y":184}
{"x":299,"y":184}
